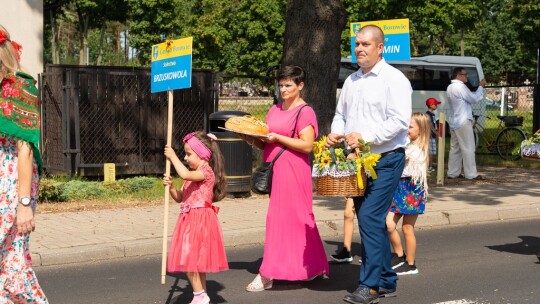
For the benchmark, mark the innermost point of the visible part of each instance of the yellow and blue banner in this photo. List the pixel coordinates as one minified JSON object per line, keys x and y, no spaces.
{"x":171,"y":65}
{"x":397,"y":45}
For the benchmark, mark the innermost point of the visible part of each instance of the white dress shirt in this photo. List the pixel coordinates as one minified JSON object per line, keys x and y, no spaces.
{"x":377,"y":105}
{"x":460,"y":101}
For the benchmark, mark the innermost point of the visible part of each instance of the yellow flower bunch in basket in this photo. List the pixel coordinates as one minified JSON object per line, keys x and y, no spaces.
{"x":339,"y":172}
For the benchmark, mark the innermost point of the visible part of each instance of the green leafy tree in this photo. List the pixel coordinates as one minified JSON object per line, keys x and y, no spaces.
{"x":233,"y":36}
{"x":61,"y":42}
{"x":90,"y":14}
{"x":525,"y":15}
{"x":108,"y":45}
{"x":467,"y":15}
{"x":153,"y":22}
{"x":259,"y":29}
{"x":214,"y":37}
{"x":246,"y":36}
{"x":86,"y":11}
{"x":52,"y":9}
{"x":431,"y":23}
{"x":113,"y":14}
{"x":497,"y":47}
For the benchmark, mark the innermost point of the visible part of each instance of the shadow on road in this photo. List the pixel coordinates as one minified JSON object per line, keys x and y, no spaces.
{"x":529,"y":245}
{"x":186,"y":292}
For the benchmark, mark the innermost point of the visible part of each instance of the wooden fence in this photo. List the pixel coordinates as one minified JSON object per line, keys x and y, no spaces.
{"x":95,"y":115}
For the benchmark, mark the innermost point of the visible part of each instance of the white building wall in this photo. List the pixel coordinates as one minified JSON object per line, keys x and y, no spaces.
{"x":24,"y":21}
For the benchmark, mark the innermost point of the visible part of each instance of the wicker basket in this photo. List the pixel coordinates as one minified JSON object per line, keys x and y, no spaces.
{"x":512,"y":121}
{"x":340,"y":186}
{"x":531,"y":152}
{"x":531,"y":158}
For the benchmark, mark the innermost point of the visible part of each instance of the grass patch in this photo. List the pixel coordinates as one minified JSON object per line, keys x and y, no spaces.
{"x":487,"y":159}
{"x":58,"y":189}
{"x":254,"y":106}
{"x":496,"y":161}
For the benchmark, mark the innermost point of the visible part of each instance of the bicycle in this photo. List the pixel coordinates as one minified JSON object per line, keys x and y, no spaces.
{"x":505,"y":140}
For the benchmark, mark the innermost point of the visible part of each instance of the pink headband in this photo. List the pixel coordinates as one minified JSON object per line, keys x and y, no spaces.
{"x":198,"y":147}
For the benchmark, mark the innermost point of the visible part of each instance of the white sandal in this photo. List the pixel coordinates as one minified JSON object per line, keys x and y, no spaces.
{"x":260,"y":283}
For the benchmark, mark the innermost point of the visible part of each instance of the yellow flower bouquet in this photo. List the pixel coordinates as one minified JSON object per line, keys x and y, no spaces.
{"x":338,"y":173}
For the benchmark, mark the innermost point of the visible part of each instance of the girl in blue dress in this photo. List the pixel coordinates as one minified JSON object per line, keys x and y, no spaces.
{"x":410,"y":196}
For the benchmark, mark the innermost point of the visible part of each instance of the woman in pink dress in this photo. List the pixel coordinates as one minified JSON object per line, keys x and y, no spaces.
{"x":293,"y":249}
{"x":197,"y":241}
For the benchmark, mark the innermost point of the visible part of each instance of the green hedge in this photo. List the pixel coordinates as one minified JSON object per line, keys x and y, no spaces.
{"x":51,"y":190}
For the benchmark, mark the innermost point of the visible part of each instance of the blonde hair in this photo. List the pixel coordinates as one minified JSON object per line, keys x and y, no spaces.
{"x":8,"y":56}
{"x":425,"y":129}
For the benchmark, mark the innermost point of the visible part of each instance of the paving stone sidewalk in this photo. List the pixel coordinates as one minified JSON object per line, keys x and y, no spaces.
{"x":74,"y":237}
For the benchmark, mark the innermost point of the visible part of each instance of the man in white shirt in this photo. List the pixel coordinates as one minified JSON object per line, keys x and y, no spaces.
{"x":374,"y":105}
{"x":460,"y":120}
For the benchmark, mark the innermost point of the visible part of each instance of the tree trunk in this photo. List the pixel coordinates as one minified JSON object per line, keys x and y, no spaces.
{"x":414,"y":46}
{"x":54,"y":51}
{"x":126,"y":46}
{"x":312,"y":41}
{"x":117,"y":43}
{"x":443,"y":44}
{"x":83,"y":27}
{"x":100,"y":48}
{"x":462,"y":42}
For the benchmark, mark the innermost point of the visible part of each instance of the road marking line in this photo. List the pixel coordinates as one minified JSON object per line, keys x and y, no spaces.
{"x":462,"y":301}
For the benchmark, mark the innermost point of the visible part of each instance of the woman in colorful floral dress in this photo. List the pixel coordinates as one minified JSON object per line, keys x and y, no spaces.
{"x":410,"y":196}
{"x":20,"y":165}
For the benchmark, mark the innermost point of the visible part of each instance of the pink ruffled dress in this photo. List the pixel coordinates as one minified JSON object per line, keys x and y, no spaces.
{"x":197,"y":241}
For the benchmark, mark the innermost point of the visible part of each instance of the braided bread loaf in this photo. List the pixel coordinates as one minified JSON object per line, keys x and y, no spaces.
{"x":247,"y":124}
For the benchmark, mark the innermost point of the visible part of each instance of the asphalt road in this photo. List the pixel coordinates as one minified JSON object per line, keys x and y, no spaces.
{"x":485,"y":263}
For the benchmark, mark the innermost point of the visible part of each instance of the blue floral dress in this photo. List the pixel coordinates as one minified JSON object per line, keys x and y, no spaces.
{"x":18,"y":282}
{"x":410,"y":195}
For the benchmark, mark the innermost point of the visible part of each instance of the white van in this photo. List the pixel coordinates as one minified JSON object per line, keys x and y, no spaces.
{"x":429,"y":77}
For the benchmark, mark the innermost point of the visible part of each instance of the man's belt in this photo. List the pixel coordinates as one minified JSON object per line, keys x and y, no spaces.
{"x":401,"y":149}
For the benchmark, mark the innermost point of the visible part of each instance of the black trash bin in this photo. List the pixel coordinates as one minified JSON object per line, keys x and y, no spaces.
{"x":236,"y":153}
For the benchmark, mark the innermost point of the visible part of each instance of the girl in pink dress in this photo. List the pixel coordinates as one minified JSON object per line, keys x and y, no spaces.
{"x":293,"y":249}
{"x":197,"y":241}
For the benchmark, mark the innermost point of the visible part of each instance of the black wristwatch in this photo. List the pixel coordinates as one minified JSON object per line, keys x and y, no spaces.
{"x":25,"y":201}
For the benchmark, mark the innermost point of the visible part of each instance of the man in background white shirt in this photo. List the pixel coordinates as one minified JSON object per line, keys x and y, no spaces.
{"x":460,"y":120}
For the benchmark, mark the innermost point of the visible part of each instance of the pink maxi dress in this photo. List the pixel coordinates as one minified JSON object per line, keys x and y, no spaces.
{"x":293,"y":248}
